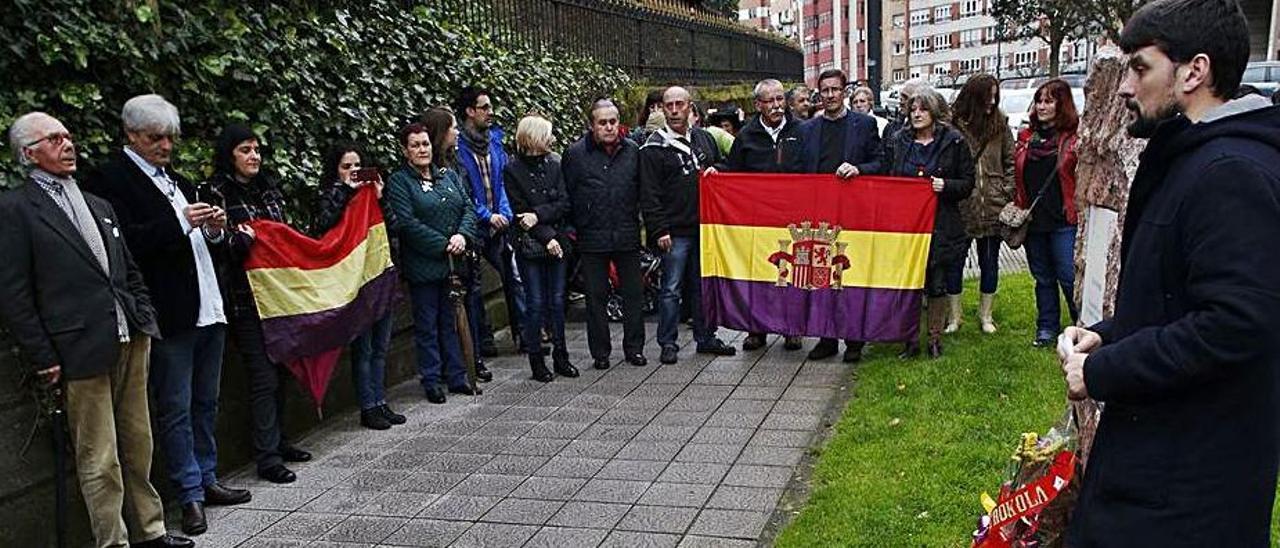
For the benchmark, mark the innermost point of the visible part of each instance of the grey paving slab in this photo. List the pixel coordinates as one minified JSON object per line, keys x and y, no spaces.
{"x":658,"y":519}
{"x":340,"y":501}
{"x":513,"y":465}
{"x":457,"y":463}
{"x":366,"y":529}
{"x":677,"y":494}
{"x":571,"y":467}
{"x":771,"y":456}
{"x":708,"y":452}
{"x":591,"y":515}
{"x":782,"y":438}
{"x":694,"y":472}
{"x":303,"y":526}
{"x":487,"y":485}
{"x":566,"y":537}
{"x":750,"y":475}
{"x":629,"y":539}
{"x":429,"y":482}
{"x":611,"y":490}
{"x":246,"y":522}
{"x":542,"y":447}
{"x":523,"y":511}
{"x":785,"y":421}
{"x":427,"y":532}
{"x":650,"y":450}
{"x":729,"y":523}
{"x":459,"y":507}
{"x":407,"y":504}
{"x":640,"y":470}
{"x":594,"y":449}
{"x":261,"y":542}
{"x":280,"y":498}
{"x":731,"y":497}
{"x":695,"y":541}
{"x":723,"y":435}
{"x":544,"y":488}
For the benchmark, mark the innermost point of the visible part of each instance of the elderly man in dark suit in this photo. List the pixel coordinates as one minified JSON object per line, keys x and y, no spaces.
{"x":845,"y":143}
{"x":171,"y":235}
{"x":77,"y":307}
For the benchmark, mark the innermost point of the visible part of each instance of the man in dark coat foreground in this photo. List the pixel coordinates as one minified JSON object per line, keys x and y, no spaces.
{"x":1186,"y":451}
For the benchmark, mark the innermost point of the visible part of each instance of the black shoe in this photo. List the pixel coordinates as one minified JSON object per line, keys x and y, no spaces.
{"x":482,"y":373}
{"x":166,"y":541}
{"x":600,"y":363}
{"x":1043,"y":340}
{"x":793,"y":343}
{"x":852,"y":354}
{"x":935,"y":349}
{"x":563,"y":368}
{"x":488,"y":349}
{"x":464,"y":390}
{"x":753,"y":342}
{"x":717,"y":347}
{"x":373,"y":419}
{"x":637,"y":360}
{"x":193,"y":520}
{"x":909,"y":351}
{"x":825,"y":349}
{"x":435,"y":394}
{"x":217,"y":494}
{"x":293,"y":454}
{"x":670,"y":354}
{"x":539,"y":368}
{"x":277,"y":474}
{"x":391,"y":416}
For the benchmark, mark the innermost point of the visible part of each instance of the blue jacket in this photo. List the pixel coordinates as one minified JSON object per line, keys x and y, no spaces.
{"x":1186,"y":452}
{"x":861,"y":143}
{"x":497,"y":161}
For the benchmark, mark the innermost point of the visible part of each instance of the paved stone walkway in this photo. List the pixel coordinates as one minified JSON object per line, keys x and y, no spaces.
{"x":693,"y":454}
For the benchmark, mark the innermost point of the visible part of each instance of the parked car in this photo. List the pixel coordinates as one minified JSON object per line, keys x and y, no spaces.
{"x":1264,"y":75}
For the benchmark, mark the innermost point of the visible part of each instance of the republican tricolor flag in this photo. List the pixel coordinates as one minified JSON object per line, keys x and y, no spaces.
{"x":812,"y":255}
{"x":316,"y":296}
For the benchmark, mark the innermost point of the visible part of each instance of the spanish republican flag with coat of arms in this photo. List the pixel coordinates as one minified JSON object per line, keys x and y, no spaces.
{"x":812,"y":255}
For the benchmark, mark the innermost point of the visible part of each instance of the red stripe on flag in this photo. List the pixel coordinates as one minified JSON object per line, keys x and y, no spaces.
{"x":278,"y":245}
{"x":864,"y":203}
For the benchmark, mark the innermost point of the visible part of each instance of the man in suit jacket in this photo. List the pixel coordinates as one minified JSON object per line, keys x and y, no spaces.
{"x":846,"y":143}
{"x":76,"y":304}
{"x":1187,"y":448}
{"x":170,"y":234}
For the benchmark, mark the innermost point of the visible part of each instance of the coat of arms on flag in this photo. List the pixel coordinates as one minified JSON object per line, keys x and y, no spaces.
{"x":812,"y":255}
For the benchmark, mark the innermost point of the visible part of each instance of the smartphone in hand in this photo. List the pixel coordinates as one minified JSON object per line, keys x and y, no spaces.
{"x":365,"y":175}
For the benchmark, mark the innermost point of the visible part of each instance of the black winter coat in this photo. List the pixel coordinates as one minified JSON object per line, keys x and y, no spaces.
{"x":535,"y":184}
{"x":243,"y":202}
{"x":1186,"y":451}
{"x":604,"y":195}
{"x":669,"y":182}
{"x":955,"y":165}
{"x":754,"y":151}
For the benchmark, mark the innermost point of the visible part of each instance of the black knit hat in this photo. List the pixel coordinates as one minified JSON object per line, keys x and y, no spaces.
{"x":231,"y":136}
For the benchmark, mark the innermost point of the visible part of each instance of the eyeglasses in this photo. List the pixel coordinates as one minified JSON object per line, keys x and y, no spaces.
{"x":55,"y":139}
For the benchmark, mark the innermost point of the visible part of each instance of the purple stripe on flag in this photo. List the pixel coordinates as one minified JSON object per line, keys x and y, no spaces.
{"x":289,"y":338}
{"x":855,"y":313}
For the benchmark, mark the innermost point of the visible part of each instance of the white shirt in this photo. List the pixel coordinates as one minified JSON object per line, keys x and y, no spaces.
{"x":211,"y":310}
{"x":774,"y":132}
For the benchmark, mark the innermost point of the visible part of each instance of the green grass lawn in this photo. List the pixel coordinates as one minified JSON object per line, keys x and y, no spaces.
{"x":920,"y":440}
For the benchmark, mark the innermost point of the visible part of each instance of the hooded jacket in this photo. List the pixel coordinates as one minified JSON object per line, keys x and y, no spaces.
{"x":1186,"y":452}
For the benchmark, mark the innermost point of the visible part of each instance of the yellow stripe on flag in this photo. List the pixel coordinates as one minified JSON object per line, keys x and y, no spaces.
{"x":889,"y":260}
{"x":292,"y":291}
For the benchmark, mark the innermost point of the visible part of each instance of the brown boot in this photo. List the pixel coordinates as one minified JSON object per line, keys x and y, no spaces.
{"x":937,"y":321}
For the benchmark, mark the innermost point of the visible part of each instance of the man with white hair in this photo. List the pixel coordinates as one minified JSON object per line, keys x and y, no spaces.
{"x":909,"y":89}
{"x":768,"y":143}
{"x":170,"y":233}
{"x":80,"y":313}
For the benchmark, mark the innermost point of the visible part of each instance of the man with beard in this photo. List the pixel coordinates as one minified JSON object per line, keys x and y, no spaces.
{"x":846,"y":143}
{"x":1186,"y":451}
{"x":672,"y":162}
{"x":481,"y":157}
{"x":768,"y":143}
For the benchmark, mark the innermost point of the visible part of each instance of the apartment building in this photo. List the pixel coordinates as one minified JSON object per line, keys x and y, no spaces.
{"x":842,"y":34}
{"x":779,"y":16}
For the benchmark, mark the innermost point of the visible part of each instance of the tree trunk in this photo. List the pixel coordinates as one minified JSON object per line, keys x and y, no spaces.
{"x":1108,"y":159}
{"x":1055,"y":54}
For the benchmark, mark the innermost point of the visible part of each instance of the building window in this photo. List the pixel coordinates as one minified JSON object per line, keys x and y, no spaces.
{"x":915,"y":72}
{"x":970,"y":38}
{"x":941,"y":42}
{"x":824,"y":44}
{"x":898,"y":75}
{"x":898,"y":21}
{"x":941,"y":70}
{"x":971,"y":8}
{"x":992,"y":62}
{"x":919,"y":17}
{"x":920,"y":45}
{"x":970,"y":66}
{"x":941,"y":14}
{"x":1024,"y":59}
{"x":898,"y":48}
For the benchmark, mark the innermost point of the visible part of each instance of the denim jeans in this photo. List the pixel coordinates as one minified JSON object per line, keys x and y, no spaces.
{"x":988,"y":264}
{"x":369,"y":363}
{"x":1050,"y":256}
{"x":544,"y":299}
{"x":681,"y":271}
{"x":435,"y":335}
{"x":497,"y":253}
{"x":186,"y":369}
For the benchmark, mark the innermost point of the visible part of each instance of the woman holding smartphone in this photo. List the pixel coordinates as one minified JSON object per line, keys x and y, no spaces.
{"x":343,"y":175}
{"x":241,"y":188}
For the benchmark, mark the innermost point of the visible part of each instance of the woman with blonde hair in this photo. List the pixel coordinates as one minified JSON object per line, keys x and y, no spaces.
{"x":535,"y":188}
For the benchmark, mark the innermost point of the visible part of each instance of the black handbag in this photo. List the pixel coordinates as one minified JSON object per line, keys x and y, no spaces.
{"x":529,"y":248}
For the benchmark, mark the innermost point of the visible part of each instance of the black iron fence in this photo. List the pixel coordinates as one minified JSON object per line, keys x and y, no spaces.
{"x":654,"y":44}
